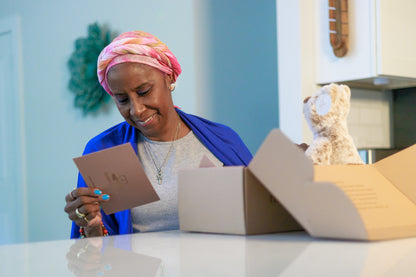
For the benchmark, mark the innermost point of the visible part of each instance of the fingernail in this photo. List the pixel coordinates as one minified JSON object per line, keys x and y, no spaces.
{"x":97,"y":191}
{"x":106,"y":196}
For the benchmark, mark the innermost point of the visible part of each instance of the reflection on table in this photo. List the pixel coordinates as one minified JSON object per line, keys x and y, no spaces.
{"x":177,"y":253}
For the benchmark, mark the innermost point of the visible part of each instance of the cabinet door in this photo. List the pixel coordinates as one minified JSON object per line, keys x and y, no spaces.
{"x":359,"y":62}
{"x":396,"y":41}
{"x":381,"y":50}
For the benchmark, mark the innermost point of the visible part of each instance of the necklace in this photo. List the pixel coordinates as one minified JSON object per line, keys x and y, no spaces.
{"x":159,"y":169}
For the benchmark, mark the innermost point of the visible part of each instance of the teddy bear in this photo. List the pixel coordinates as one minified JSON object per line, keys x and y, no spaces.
{"x":326,"y":114}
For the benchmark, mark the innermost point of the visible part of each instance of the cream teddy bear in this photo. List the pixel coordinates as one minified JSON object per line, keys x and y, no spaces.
{"x":326,"y":113}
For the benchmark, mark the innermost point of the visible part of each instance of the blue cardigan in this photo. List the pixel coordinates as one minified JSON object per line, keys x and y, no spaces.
{"x":221,"y":140}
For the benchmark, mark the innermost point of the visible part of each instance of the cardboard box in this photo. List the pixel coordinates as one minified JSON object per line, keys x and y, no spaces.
{"x":229,"y":200}
{"x":358,"y":202}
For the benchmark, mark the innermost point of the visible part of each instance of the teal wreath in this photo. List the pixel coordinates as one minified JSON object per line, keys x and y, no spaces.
{"x":89,"y":94}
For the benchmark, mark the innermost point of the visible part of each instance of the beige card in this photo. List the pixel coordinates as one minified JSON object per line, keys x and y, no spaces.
{"x":118,"y":172}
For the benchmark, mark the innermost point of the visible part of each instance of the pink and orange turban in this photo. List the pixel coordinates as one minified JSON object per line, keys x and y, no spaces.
{"x":138,"y":47}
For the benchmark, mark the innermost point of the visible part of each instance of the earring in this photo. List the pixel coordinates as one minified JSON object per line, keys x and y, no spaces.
{"x":172,"y":86}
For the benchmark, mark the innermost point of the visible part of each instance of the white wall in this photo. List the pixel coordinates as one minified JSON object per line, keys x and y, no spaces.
{"x":296,"y":62}
{"x":56,"y":131}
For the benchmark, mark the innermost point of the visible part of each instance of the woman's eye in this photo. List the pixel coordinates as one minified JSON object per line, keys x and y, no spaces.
{"x":122,"y":100}
{"x":144,"y":92}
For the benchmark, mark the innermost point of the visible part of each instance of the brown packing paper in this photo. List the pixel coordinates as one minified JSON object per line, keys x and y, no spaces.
{"x":118,"y":172}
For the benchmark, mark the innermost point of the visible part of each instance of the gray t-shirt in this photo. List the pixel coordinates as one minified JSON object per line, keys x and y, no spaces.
{"x":186,"y":152}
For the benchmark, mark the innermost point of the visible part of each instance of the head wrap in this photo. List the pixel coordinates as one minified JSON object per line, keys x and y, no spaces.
{"x":137,"y":47}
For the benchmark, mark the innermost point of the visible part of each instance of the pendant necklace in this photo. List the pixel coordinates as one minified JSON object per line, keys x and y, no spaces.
{"x":159,"y":169}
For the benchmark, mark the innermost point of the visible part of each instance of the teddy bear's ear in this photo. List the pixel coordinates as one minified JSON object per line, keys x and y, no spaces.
{"x":346,"y":90}
{"x":323,"y":104}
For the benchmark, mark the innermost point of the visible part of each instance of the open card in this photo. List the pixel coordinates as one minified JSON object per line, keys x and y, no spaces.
{"x":118,"y":172}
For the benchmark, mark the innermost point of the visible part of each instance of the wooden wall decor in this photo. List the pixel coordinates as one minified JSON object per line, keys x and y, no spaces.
{"x":338,"y":26}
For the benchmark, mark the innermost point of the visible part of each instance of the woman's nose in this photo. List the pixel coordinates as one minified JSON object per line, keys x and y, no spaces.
{"x":136,"y":107}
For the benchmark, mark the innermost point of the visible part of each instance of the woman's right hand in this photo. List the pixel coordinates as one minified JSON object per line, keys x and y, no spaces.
{"x":303,"y":146}
{"x":83,"y":207}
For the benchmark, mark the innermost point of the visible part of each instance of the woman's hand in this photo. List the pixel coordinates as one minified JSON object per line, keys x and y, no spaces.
{"x":83,"y":207}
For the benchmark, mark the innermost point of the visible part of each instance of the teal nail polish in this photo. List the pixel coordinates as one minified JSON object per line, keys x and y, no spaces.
{"x":106,"y":196}
{"x":97,"y":191}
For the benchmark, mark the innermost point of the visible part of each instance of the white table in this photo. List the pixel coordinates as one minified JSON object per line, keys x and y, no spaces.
{"x":177,"y":253}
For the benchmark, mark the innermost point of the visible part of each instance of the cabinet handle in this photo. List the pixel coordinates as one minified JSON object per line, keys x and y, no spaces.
{"x":338,"y":26}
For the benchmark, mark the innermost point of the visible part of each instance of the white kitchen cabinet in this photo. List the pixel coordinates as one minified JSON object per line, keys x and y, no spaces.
{"x":382,"y":45}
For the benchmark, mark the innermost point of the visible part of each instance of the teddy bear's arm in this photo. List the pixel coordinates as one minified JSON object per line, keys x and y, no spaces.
{"x":320,"y":151}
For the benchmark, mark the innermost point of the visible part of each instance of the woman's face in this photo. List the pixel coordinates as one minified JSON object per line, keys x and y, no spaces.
{"x":143,"y":97}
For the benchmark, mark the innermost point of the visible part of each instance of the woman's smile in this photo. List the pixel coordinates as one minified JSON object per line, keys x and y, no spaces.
{"x":146,"y":122}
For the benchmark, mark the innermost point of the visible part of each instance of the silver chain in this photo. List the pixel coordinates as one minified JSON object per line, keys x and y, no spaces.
{"x":159,"y":169}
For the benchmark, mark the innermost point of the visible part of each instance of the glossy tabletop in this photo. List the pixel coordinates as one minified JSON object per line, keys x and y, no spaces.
{"x":177,"y":253}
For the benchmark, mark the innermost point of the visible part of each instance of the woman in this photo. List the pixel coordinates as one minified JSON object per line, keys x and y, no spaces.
{"x":140,"y":72}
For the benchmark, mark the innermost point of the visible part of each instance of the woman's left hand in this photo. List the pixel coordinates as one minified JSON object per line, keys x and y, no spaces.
{"x":83,"y":206}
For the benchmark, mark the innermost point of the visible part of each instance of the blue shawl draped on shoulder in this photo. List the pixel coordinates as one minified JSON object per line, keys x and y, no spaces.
{"x":221,"y":140}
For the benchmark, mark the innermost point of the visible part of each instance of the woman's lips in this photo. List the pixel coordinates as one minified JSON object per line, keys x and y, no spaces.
{"x":147,"y":121}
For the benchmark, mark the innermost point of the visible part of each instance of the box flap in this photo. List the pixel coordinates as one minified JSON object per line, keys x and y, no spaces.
{"x":288,"y":174}
{"x":385,"y":212}
{"x":331,"y":214}
{"x":283,"y":169}
{"x":400,"y":169}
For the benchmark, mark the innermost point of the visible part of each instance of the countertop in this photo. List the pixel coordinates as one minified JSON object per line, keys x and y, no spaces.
{"x":177,"y":253}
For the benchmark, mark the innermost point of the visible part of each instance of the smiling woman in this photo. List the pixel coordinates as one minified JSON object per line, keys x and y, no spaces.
{"x":139,"y":72}
{"x":143,"y":97}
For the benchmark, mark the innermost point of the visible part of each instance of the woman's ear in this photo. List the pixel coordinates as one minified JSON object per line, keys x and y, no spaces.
{"x":169,"y":80}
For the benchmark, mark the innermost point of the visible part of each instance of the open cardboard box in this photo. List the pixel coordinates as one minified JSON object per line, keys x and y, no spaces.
{"x":228,"y":200}
{"x":359,"y":202}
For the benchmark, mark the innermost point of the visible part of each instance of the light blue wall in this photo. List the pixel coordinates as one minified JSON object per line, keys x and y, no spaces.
{"x":240,"y":60}
{"x":227,"y":50}
{"x":56,"y":131}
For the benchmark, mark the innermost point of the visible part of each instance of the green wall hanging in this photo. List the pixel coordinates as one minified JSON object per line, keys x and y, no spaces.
{"x":89,"y":94}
